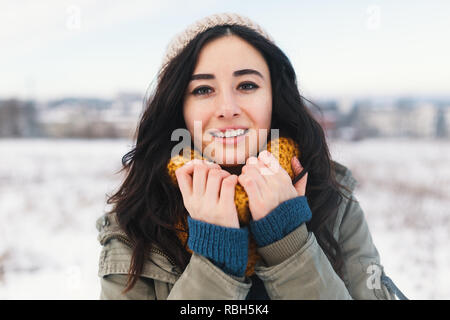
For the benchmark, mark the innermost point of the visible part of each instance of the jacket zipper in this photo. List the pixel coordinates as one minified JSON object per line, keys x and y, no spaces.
{"x":152,"y":249}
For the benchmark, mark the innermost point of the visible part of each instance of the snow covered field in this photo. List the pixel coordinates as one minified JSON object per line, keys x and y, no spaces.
{"x":52,"y":191}
{"x":404,"y":190}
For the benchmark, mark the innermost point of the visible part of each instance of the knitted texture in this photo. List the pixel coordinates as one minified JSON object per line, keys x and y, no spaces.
{"x":282,"y":148}
{"x":225,"y":247}
{"x":180,"y":41}
{"x":281,"y":221}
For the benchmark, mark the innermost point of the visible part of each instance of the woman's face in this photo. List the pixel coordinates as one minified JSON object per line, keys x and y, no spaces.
{"x":230,"y":88}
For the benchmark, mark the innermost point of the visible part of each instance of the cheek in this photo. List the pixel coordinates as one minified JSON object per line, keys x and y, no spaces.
{"x":261,"y":112}
{"x":196,"y":118}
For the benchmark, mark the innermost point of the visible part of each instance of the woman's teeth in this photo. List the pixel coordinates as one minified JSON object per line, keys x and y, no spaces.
{"x":230,"y":133}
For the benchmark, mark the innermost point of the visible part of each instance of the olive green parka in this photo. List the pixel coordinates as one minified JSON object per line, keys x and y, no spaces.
{"x":294,"y":267}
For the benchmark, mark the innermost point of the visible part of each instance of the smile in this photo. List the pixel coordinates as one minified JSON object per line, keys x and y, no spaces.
{"x":230,"y":137}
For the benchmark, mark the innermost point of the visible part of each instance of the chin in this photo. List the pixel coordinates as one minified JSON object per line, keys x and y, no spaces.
{"x":229,"y":162}
{"x":228,"y":155}
{"x":235,"y":158}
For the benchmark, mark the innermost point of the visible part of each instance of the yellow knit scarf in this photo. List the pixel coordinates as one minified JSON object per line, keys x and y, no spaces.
{"x":287,"y":148}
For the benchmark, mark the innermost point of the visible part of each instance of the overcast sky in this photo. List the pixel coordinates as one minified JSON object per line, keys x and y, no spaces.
{"x":51,"y":49}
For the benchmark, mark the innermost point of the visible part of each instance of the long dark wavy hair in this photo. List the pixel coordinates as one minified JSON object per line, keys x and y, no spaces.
{"x":148,"y":205}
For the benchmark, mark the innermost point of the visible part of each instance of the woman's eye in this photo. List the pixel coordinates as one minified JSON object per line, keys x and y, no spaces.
{"x":204,"y":90}
{"x":246,"y":85}
{"x":200,"y":91}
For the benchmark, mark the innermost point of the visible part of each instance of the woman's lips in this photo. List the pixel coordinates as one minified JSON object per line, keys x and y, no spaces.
{"x":231,"y":140}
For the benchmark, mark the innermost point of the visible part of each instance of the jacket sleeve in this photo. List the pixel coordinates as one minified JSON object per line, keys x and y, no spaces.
{"x":114,"y":262}
{"x":112,"y":286}
{"x":217,"y":266}
{"x":297,"y":268}
{"x":202,"y":280}
{"x":363,"y":270}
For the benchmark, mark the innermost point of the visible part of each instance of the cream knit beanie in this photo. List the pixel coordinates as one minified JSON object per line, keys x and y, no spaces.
{"x":180,"y":41}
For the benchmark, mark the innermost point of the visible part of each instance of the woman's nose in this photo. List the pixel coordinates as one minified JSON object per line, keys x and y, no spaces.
{"x":228,"y":105}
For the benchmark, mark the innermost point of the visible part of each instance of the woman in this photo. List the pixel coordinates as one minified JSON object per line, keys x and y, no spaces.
{"x":225,"y":72}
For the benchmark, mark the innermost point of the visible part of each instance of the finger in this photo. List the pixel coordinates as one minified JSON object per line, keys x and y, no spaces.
{"x":250,"y":188}
{"x":199,"y":176}
{"x":228,"y":189}
{"x":260,"y":173}
{"x":300,"y":186}
{"x":297,"y":168}
{"x":270,"y":161}
{"x":213,"y":164}
{"x":184,"y":177}
{"x":214,"y":183}
{"x":252,"y":179}
{"x":266,"y":165}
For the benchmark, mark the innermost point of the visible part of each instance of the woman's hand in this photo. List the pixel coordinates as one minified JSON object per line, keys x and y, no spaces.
{"x":208,"y":192}
{"x":297,"y":167}
{"x":267,"y":184}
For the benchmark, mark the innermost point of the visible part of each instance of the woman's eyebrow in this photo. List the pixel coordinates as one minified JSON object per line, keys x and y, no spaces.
{"x":207,"y":76}
{"x":247,"y":71}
